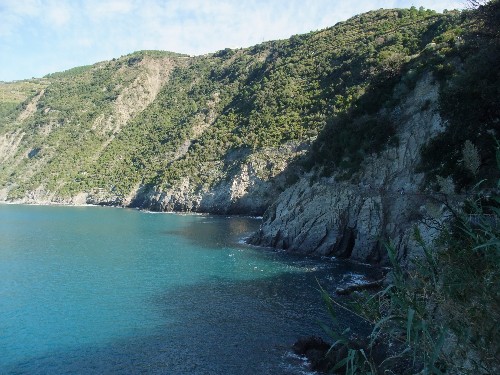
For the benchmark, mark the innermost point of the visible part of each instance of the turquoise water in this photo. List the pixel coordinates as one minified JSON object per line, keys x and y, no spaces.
{"x":100,"y":290}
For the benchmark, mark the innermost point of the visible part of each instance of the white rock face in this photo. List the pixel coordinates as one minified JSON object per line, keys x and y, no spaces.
{"x":349,"y":219}
{"x":248,"y":187}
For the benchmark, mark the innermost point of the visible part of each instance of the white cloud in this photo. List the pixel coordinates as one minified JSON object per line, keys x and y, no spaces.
{"x":85,"y":42}
{"x":8,"y":23}
{"x":107,"y":8}
{"x":13,"y":14}
{"x":21,"y":8}
{"x":86,"y":31}
{"x":58,"y":14}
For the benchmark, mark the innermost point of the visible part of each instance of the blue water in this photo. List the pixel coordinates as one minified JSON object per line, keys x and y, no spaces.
{"x":100,"y":290}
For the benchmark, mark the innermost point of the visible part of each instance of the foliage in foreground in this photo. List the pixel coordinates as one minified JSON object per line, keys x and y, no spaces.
{"x":441,"y":315}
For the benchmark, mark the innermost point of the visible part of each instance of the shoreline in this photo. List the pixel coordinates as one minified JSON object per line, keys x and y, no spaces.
{"x":241,"y":241}
{"x":57,"y":204}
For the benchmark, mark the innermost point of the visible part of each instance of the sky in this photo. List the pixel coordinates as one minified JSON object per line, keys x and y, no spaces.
{"x":38,"y":37}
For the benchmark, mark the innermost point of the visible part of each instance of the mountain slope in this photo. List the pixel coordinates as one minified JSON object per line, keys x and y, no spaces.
{"x":341,"y":136}
{"x":214,"y":133}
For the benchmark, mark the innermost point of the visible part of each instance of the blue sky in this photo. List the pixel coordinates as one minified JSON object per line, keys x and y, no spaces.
{"x":45,"y":36}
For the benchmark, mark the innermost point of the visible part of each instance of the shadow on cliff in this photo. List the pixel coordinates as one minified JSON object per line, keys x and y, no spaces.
{"x":356,"y":202}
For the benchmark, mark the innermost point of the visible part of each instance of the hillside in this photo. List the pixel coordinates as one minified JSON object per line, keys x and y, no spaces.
{"x":13,"y":94}
{"x":238,"y":131}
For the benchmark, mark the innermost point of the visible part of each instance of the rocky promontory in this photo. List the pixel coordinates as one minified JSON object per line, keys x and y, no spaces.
{"x":351,"y":219}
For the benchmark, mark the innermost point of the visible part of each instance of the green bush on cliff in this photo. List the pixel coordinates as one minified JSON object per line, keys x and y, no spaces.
{"x":470,"y":103}
{"x":362,"y":125}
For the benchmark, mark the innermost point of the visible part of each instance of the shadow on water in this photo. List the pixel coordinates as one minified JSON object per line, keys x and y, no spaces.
{"x":216,"y":231}
{"x":230,"y":322}
{"x":220,"y":326}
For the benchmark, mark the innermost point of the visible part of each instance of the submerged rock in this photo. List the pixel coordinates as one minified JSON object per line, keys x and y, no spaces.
{"x":314,"y":348}
{"x":324,"y":357}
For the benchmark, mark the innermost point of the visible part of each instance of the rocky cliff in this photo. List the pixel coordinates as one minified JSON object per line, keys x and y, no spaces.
{"x":321,"y":132}
{"x":247,"y":187}
{"x":351,"y":219}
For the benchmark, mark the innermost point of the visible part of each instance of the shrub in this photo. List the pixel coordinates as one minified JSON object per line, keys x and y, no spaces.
{"x":439,"y":315}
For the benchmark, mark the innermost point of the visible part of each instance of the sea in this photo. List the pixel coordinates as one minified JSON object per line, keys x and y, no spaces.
{"x":99,"y":290}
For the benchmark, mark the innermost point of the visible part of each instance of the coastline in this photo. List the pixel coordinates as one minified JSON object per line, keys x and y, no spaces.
{"x":60,"y":204}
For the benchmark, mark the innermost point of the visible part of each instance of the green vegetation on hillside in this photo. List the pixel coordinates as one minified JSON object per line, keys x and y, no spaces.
{"x":328,"y":88}
{"x":63,"y":126}
{"x":364,"y":126}
{"x":12,"y":94}
{"x":440,"y":313}
{"x":470,"y":103}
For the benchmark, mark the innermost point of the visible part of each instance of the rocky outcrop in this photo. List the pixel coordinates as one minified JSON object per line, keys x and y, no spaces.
{"x":323,"y":357}
{"x":327,"y":217}
{"x":314,"y":215}
{"x":243,"y":184}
